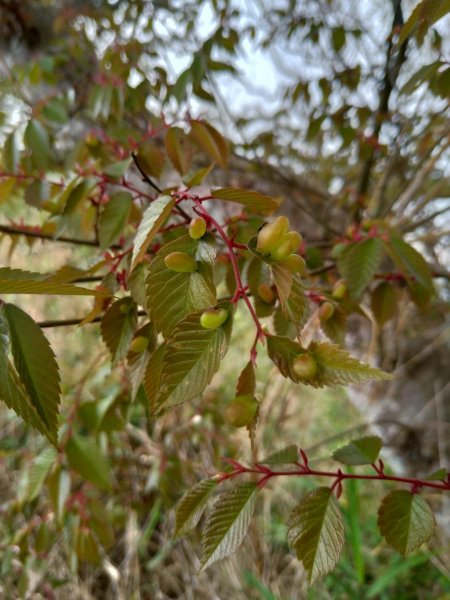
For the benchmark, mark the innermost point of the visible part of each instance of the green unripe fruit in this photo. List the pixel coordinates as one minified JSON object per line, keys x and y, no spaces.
{"x":139,"y":344}
{"x":304,"y":366}
{"x":339,"y":291}
{"x":213,"y":318}
{"x":241,"y":410}
{"x":296,"y":264}
{"x":271,"y":234}
{"x":197,"y":228}
{"x":326,"y":311}
{"x":266,"y":294}
{"x":180,"y":262}
{"x":125,"y":308}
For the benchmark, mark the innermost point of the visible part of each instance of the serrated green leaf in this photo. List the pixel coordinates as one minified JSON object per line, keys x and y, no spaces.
{"x":383,"y":302}
{"x":177,"y":149}
{"x":36,"y":365}
{"x":228,"y":523}
{"x":336,"y":326}
{"x":193,"y":356}
{"x":85,"y":457}
{"x":211,"y":141}
{"x":283,"y":278}
{"x":438,"y":475}
{"x":362,"y":451}
{"x":13,"y":393}
{"x":405,"y":520}
{"x":197,"y":177}
{"x":39,"y":471}
{"x":410,"y":262}
{"x":316,"y":532}
{"x":172,"y":296}
{"x":117,"y":169}
{"x":36,"y":140}
{"x":118,"y":326}
{"x":113,"y":219}
{"x":153,"y":219}
{"x":255,"y":202}
{"x":338,"y":367}
{"x":151,"y":158}
{"x":152,"y":376}
{"x":247,"y":380}
{"x":11,"y":155}
{"x":288,"y":455}
{"x":295,"y":307}
{"x":358,"y":264}
{"x":191,"y":506}
{"x":16,"y":281}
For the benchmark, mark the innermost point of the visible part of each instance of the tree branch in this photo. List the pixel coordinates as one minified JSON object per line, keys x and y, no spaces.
{"x":391,"y":71}
{"x":12,"y":230}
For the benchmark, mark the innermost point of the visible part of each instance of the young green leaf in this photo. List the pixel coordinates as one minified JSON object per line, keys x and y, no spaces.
{"x":405,"y":520}
{"x":294,"y":309}
{"x":384,"y":302}
{"x":191,"y":506}
{"x":211,"y":141}
{"x":335,"y":327}
{"x":118,"y":326}
{"x":247,"y":381}
{"x":358,"y":264}
{"x":13,"y":393}
{"x":228,"y":523}
{"x":85,"y":456}
{"x":172,"y":296}
{"x":438,"y":475}
{"x":117,"y":169}
{"x":16,"y":281}
{"x":37,"y":141}
{"x":153,"y":219}
{"x":255,"y":202}
{"x":151,"y":158}
{"x":35,"y":364}
{"x":152,"y":376}
{"x":362,"y":451}
{"x":39,"y":471}
{"x":338,"y":367}
{"x":193,"y":356}
{"x":288,"y":455}
{"x":178,"y":150}
{"x":114,"y":218}
{"x":316,"y":532}
{"x":11,"y":154}
{"x":410,"y":262}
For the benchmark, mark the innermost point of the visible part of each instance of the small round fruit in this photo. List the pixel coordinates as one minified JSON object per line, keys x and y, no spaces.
{"x":197,"y":228}
{"x":125,"y":308}
{"x":304,"y":366}
{"x":265,"y":292}
{"x":180,"y":262}
{"x":296,"y":264}
{"x":139,"y":344}
{"x":241,"y":410}
{"x":339,"y":291}
{"x":326,"y":311}
{"x":213,"y":318}
{"x":271,"y":234}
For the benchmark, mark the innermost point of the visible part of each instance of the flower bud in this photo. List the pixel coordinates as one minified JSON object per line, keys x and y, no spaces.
{"x":180,"y":262}
{"x":265,"y":292}
{"x":270,"y":235}
{"x":241,"y":410}
{"x":139,"y":344}
{"x":296,"y":264}
{"x":326,"y":311}
{"x":213,"y":318}
{"x":197,"y":228}
{"x":304,"y":366}
{"x":339,"y":291}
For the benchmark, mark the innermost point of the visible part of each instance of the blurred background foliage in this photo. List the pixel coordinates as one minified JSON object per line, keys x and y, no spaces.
{"x":334,"y":105}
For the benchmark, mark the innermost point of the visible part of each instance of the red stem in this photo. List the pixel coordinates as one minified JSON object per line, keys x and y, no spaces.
{"x":337,"y":475}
